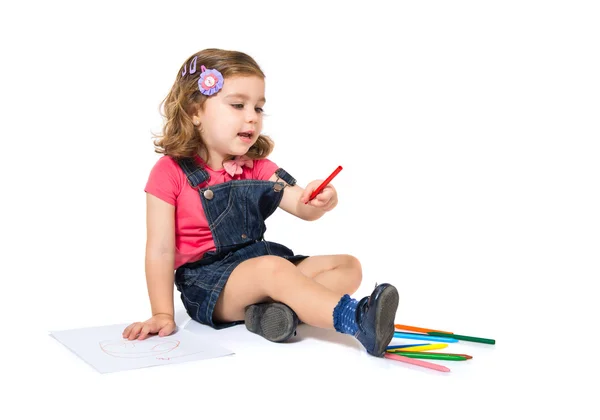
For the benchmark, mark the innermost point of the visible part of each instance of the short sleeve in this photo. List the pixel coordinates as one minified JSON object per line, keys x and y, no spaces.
{"x":264,"y":169}
{"x":164,"y":180}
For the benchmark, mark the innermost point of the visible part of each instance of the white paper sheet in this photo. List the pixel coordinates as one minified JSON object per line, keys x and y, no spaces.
{"x":106,"y":350}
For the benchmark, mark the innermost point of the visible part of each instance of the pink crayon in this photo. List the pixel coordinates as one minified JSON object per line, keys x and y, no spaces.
{"x":417,"y":362}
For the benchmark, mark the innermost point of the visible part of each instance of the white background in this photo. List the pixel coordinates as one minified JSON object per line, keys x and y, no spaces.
{"x":468,"y":132}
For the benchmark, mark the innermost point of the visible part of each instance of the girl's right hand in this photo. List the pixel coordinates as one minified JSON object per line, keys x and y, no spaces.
{"x":163,"y":324}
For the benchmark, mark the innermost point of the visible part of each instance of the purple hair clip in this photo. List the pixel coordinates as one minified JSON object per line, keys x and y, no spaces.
{"x":192,"y":67}
{"x":210,"y":82}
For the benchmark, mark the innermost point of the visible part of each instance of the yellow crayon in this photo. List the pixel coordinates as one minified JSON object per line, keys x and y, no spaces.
{"x":424,"y":347}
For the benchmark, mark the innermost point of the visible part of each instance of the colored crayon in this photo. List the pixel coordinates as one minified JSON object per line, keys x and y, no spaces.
{"x":463,"y":338}
{"x":417,"y":329}
{"x":401,"y":346}
{"x":417,"y":362}
{"x":426,"y":355}
{"x":421,"y":348}
{"x":425,"y":337}
{"x":324,"y":184}
{"x":466,"y":356}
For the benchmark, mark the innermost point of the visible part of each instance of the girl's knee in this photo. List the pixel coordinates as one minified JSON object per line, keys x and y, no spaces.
{"x":273,"y":265}
{"x":354,"y":263}
{"x":271,"y":269}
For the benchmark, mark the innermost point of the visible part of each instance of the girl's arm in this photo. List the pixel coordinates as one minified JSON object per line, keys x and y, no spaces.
{"x":160,"y":254}
{"x":294,"y":197}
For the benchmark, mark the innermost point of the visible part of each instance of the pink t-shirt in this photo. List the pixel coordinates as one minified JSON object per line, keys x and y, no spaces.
{"x":168,"y":182}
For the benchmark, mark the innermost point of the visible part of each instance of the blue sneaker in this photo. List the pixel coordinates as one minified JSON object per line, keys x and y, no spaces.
{"x":275,"y":321}
{"x":375,"y":317}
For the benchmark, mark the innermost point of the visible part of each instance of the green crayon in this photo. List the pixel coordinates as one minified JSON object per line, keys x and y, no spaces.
{"x":432,"y":356}
{"x":464,"y":337}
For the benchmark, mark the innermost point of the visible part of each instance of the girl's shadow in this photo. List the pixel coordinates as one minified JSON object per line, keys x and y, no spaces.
{"x":305,"y":333}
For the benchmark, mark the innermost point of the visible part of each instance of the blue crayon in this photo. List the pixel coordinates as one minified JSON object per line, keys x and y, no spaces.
{"x":425,"y":337}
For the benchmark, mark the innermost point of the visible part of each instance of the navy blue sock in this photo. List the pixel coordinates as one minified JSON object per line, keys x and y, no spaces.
{"x":344,"y":315}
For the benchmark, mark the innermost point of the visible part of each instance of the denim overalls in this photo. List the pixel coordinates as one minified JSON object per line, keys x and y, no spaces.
{"x":236,"y":212}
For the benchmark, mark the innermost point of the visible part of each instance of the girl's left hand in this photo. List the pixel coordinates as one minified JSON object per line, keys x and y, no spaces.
{"x":326,"y":200}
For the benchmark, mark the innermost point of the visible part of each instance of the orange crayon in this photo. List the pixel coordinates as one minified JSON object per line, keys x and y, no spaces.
{"x":418,"y":329}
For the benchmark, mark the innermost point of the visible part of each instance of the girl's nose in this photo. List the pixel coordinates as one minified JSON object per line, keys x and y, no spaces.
{"x":252,"y":116}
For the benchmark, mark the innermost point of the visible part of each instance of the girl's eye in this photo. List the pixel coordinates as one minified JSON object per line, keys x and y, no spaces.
{"x":241,"y":106}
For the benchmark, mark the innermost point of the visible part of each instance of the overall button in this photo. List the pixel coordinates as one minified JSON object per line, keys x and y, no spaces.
{"x":244,"y":236}
{"x":277,"y":187}
{"x":208,"y":194}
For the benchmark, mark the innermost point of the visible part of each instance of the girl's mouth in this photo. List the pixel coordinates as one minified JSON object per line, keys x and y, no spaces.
{"x":246,"y":136}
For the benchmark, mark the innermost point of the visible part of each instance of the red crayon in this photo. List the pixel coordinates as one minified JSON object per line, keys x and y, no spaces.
{"x":324,"y":184}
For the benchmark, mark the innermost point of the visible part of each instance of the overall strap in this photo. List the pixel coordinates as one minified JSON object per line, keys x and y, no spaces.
{"x":281,"y":173}
{"x":195,"y":174}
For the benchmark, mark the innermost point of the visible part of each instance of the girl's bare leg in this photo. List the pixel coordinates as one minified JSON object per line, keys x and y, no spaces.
{"x":257,"y":279}
{"x":340,"y":273}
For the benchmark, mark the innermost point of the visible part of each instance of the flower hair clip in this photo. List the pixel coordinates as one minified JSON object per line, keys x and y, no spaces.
{"x":210,"y":81}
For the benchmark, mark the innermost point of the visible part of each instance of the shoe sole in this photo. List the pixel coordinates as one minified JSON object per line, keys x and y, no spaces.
{"x":384,"y":320}
{"x":273,"y":321}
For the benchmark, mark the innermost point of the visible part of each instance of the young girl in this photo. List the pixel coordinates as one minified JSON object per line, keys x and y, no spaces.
{"x":207,"y":201}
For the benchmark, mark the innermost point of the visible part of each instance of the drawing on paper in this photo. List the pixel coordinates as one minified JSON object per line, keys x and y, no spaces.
{"x":149,"y":347}
{"x":107,"y":351}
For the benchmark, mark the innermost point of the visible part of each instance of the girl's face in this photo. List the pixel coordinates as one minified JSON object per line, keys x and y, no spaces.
{"x":231,"y":120}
